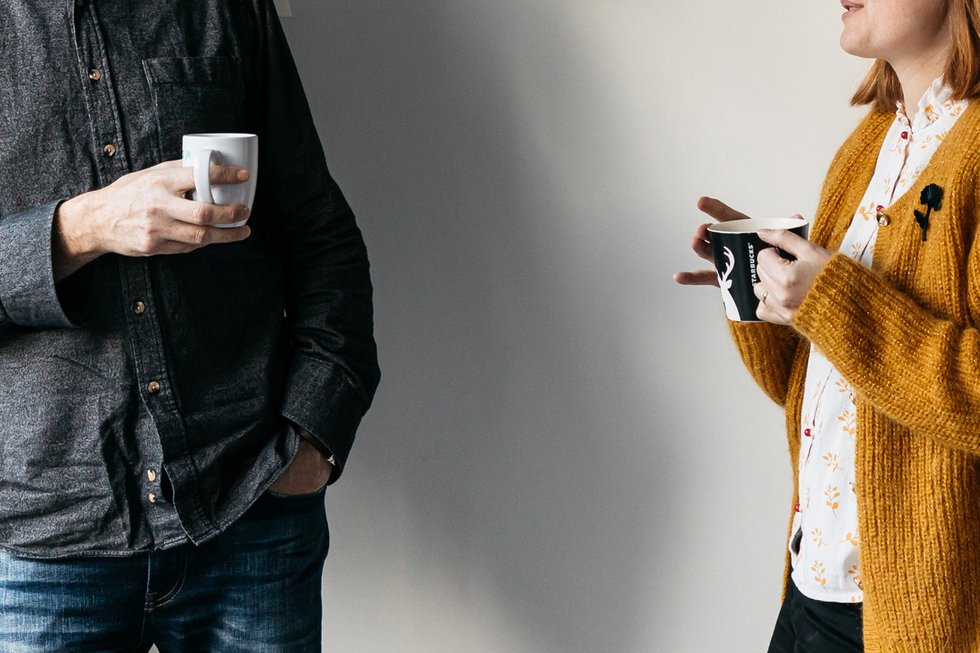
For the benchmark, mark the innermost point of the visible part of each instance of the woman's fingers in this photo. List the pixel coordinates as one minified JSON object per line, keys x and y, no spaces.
{"x":697,"y":278}
{"x":702,"y":248}
{"x":719,"y":210}
{"x":701,"y":242}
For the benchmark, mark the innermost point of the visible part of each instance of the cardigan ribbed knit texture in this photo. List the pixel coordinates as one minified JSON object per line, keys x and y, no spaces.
{"x":904,"y":335}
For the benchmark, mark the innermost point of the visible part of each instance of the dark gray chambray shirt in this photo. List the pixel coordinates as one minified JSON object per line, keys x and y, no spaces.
{"x":144,"y":401}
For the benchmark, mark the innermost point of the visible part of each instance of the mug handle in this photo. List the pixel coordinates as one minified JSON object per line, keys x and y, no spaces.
{"x":202,"y":175}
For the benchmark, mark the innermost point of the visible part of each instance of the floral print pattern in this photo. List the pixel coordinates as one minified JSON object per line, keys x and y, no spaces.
{"x":827,"y":564}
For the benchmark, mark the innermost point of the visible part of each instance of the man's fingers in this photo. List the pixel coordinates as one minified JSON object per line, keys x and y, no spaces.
{"x":200,"y":213}
{"x":697,"y":278}
{"x":228,"y":175}
{"x":176,"y":163}
{"x":719,"y":210}
{"x":191,"y":236}
{"x":178,"y":179}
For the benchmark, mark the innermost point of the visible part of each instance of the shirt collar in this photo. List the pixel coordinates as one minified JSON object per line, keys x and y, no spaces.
{"x":934,"y":104}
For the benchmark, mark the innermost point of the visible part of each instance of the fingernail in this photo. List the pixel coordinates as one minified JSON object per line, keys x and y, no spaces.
{"x":243,"y":174}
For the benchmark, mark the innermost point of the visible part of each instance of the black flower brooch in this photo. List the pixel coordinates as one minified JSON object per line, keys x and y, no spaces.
{"x":932,"y":197}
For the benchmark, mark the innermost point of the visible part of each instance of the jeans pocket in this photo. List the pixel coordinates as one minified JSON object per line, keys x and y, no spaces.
{"x":319,"y":492}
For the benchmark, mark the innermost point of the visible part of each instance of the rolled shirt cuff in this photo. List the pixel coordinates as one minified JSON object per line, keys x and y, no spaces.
{"x":28,"y":295}
{"x":321,"y":399}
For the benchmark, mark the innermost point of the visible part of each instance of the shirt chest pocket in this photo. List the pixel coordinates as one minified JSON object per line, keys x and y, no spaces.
{"x":193,"y":95}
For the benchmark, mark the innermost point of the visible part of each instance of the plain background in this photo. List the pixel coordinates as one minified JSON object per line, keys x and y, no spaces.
{"x":565,"y":454}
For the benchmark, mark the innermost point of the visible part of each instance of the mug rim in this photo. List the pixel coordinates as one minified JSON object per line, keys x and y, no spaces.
{"x":230,"y":135}
{"x":753,"y":225}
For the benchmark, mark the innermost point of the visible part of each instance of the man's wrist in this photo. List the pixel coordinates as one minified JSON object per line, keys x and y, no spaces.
{"x":316,"y":444}
{"x":73,"y":240}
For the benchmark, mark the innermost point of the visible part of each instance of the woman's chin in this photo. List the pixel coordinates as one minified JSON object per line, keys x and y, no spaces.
{"x":855,"y":48}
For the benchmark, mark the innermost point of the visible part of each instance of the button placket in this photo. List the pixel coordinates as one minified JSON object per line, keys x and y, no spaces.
{"x":102,"y":56}
{"x":103,"y":114}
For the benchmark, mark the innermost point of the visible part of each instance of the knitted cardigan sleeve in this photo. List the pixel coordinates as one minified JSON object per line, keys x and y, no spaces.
{"x":767,"y":350}
{"x":917,"y":369}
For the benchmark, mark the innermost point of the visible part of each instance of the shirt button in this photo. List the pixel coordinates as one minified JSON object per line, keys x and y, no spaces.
{"x":151,"y":474}
{"x":151,"y":497}
{"x":109,"y":150}
{"x":95,"y":74}
{"x":905,"y":135}
{"x":807,"y":432}
{"x":139,"y":308}
{"x":153,"y":387}
{"x":796,"y":507}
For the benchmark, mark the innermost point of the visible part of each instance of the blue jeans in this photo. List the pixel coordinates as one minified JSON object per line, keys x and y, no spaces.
{"x":255,"y":587}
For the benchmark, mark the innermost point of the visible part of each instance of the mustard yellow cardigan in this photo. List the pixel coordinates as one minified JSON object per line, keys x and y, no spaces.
{"x":904,"y":334}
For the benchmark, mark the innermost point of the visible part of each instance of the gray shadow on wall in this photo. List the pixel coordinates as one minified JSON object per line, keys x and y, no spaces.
{"x":508,"y":410}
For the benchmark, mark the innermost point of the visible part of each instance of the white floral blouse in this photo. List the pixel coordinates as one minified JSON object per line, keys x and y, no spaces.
{"x":825,"y":544}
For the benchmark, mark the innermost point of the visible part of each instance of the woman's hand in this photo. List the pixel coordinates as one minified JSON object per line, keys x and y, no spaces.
{"x":783,"y":284}
{"x":701,"y":244}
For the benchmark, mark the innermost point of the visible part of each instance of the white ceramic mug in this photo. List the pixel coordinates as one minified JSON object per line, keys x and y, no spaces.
{"x":242,"y":150}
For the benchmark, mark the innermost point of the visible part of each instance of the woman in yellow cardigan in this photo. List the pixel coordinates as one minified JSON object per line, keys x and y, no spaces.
{"x":870,"y":341}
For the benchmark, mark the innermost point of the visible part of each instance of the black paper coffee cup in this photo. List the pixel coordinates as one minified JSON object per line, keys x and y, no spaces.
{"x":736,"y":246}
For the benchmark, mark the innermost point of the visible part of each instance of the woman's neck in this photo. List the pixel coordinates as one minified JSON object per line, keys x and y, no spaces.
{"x":917,"y":74}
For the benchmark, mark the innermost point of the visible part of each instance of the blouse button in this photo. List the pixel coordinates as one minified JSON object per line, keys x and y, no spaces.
{"x":807,"y":432}
{"x":905,"y":135}
{"x":796,"y":507}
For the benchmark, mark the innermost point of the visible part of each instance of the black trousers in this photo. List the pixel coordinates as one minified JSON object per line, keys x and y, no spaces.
{"x":808,"y":626}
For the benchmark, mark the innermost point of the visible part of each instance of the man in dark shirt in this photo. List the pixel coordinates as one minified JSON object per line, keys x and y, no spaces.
{"x":174,"y":396}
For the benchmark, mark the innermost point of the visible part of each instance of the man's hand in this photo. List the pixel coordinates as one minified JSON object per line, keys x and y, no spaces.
{"x":783,"y":284}
{"x":309,"y":471}
{"x":144,"y":214}
{"x":701,"y":244}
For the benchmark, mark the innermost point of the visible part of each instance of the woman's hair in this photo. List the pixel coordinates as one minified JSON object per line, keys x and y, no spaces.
{"x":881,"y":87}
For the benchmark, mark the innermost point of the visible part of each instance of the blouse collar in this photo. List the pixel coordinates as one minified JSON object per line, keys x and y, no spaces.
{"x":936,"y":102}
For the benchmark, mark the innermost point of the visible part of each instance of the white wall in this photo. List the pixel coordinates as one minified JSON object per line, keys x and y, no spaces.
{"x":565,"y":455}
